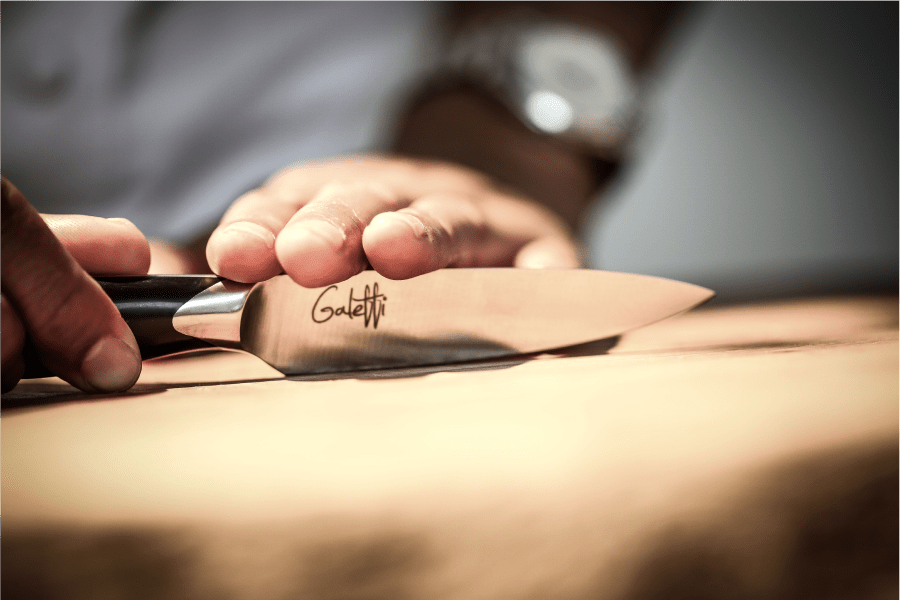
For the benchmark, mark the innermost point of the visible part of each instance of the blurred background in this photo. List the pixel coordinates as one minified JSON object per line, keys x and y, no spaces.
{"x":769,"y":164}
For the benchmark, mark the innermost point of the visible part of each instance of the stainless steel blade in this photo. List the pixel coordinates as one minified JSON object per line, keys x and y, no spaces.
{"x":452,"y":315}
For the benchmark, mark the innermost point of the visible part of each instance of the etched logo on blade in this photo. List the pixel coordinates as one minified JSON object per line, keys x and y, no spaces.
{"x":369,"y":308}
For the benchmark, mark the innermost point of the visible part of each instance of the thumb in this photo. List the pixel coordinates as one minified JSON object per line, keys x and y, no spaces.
{"x":74,"y":326}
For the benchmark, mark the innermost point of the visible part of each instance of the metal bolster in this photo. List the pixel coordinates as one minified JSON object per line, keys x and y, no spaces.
{"x":214,"y":314}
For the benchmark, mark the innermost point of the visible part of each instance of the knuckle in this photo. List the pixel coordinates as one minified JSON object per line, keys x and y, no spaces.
{"x":350,"y":205}
{"x":329,"y":205}
{"x":460,"y":227}
{"x":458,"y":213}
{"x":253,"y":207}
{"x":335,"y":200}
{"x":336,"y":214}
{"x":269,"y":221}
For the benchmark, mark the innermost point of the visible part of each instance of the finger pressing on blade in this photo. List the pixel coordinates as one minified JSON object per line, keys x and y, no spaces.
{"x":322,"y":243}
{"x":242,"y":247}
{"x":436,"y":231}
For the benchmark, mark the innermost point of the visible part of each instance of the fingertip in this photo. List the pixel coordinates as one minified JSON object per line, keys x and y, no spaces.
{"x":111,"y":365}
{"x":243,"y":251}
{"x":314,"y":253}
{"x":110,"y":247}
{"x":399,"y":246}
{"x":138,"y":245}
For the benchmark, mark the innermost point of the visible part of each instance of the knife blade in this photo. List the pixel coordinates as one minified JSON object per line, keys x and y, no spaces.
{"x":370,"y":322}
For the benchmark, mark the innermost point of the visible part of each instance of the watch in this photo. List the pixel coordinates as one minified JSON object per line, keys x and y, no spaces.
{"x":560,"y":79}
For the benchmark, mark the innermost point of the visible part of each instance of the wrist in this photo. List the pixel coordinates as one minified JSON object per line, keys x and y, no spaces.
{"x":464,"y":126}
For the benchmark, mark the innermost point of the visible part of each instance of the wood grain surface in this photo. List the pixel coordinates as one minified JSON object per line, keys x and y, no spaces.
{"x":745,"y":451}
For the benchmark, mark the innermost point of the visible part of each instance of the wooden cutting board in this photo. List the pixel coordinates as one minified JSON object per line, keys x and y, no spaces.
{"x":736,"y":451}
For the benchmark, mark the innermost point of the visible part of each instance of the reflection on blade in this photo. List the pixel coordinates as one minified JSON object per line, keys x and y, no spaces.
{"x":389,"y":351}
{"x":453,"y":315}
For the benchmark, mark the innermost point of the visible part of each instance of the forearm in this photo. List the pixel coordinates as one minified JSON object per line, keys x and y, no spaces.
{"x":470,"y":129}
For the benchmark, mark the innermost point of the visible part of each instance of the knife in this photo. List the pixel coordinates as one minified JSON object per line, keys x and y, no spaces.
{"x":370,"y":322}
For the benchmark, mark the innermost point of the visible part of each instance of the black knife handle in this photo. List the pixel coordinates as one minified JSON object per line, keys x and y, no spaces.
{"x":148,"y":304}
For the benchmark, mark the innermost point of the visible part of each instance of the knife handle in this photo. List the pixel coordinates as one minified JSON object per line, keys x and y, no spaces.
{"x":148,"y":304}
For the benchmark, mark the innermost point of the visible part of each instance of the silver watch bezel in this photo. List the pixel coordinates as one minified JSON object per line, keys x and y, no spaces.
{"x":499,"y":57}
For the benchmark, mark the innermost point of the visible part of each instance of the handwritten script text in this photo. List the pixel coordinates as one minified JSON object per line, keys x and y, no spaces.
{"x":370,"y":307}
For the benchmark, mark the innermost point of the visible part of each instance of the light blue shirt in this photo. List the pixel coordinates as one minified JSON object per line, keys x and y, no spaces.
{"x":165,"y":113}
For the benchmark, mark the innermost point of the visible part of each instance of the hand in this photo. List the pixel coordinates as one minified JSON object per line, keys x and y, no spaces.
{"x":322,"y":223}
{"x":50,"y":301}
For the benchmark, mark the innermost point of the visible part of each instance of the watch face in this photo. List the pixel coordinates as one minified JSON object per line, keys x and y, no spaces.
{"x":571,"y":77}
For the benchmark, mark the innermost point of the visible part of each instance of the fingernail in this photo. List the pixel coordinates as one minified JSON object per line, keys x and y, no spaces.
{"x":120,"y":221}
{"x":111,"y":365}
{"x":253,"y":230}
{"x":398,"y":224}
